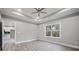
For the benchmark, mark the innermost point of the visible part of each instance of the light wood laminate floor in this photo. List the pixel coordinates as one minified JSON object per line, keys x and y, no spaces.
{"x":37,"y":46}
{"x":42,"y":46}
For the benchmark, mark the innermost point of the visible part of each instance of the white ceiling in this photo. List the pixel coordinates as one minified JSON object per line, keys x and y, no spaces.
{"x":25,"y":14}
{"x":29,"y":11}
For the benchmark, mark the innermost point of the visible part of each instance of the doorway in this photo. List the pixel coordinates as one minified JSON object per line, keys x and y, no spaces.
{"x":0,"y":35}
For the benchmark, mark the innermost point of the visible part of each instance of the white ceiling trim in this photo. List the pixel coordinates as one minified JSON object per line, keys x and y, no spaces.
{"x":53,"y":13}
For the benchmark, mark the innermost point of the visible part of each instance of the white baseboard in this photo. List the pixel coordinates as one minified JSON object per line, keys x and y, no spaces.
{"x":64,"y":44}
{"x":25,"y":41}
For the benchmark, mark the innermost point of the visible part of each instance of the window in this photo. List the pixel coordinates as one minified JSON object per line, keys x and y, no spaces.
{"x":48,"y":30}
{"x":53,"y":30}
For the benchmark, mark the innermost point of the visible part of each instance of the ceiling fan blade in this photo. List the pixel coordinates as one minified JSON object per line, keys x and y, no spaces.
{"x":42,"y":9}
{"x":36,"y":9}
{"x":39,"y":9}
{"x":44,"y":12}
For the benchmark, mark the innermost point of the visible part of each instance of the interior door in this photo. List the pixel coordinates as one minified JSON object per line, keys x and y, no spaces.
{"x":0,"y":35}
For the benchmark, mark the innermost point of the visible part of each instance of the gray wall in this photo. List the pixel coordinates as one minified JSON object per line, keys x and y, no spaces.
{"x":0,"y":16}
{"x":69,"y":31}
{"x":24,"y":31}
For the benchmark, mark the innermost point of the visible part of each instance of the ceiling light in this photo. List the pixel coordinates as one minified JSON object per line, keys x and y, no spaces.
{"x":19,"y":10}
{"x":18,"y":13}
{"x":64,"y":10}
{"x":37,"y":19}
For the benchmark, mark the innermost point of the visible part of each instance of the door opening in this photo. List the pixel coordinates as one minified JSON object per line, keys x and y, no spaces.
{"x":0,"y":35}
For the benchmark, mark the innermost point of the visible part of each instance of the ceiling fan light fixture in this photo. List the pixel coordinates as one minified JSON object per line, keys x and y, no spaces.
{"x":39,"y":11}
{"x":37,"y":19}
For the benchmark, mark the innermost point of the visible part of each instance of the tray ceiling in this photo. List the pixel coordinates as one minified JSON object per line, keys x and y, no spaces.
{"x":26,"y":14}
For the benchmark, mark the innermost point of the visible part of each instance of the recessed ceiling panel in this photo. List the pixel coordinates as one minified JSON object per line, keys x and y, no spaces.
{"x":29,"y":11}
{"x":34,"y":14}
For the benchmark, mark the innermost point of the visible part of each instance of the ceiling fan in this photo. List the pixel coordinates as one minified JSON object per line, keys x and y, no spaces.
{"x":39,"y":11}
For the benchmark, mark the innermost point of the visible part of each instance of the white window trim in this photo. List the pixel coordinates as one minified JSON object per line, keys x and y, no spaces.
{"x":51,"y":31}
